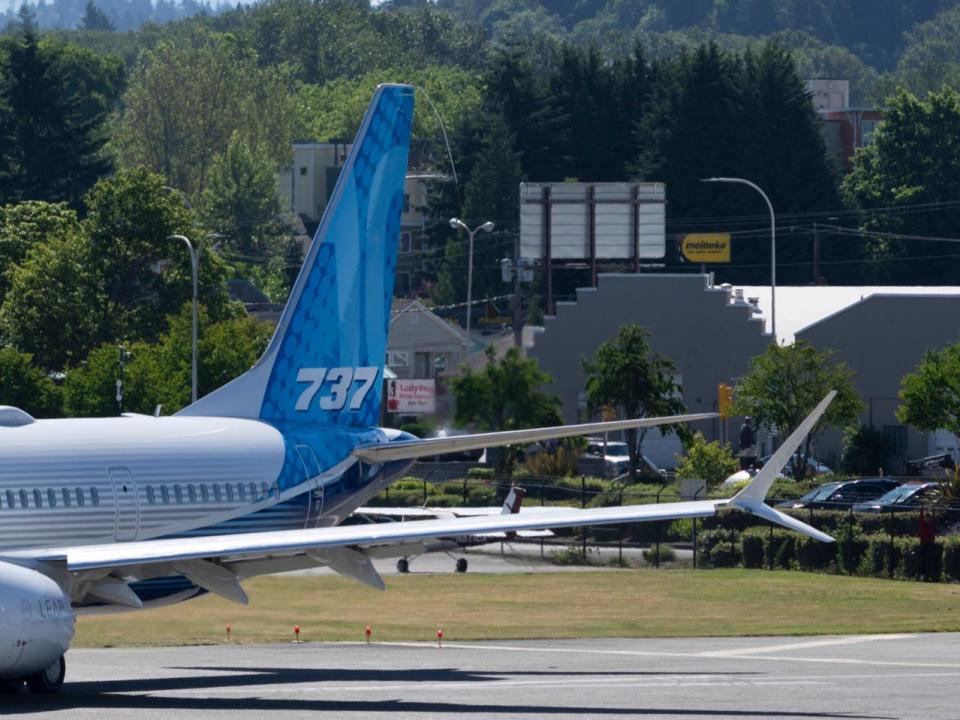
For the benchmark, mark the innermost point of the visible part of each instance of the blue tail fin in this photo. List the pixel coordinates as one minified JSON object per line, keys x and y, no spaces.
{"x":325,"y":361}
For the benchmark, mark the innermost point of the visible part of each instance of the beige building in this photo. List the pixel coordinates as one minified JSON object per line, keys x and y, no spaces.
{"x":305,"y":187}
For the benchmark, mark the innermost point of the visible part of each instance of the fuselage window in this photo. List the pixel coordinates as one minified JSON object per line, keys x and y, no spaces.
{"x":11,"y":503}
{"x":94,"y":496}
{"x":24,"y":502}
{"x":229,"y":489}
{"x":65,"y":494}
{"x":37,"y":499}
{"x":151,"y":498}
{"x":80,"y":498}
{"x":51,"y":498}
{"x":204,"y":494}
{"x":192,"y":493}
{"x":263,"y":487}
{"x":241,"y":492}
{"x":178,"y":493}
{"x":253,"y":491}
{"x":164,"y":495}
{"x":216,"y":493}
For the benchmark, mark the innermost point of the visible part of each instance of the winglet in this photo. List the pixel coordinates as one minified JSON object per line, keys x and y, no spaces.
{"x":751,"y":498}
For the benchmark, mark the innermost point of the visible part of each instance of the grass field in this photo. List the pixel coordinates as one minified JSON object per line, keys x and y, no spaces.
{"x":632,"y":603}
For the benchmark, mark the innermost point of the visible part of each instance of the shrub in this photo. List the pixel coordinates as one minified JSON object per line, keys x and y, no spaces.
{"x":779,"y":549}
{"x":573,"y":555}
{"x":681,"y":530}
{"x":880,"y":558}
{"x":813,"y":554}
{"x":951,"y":558}
{"x":751,"y":549}
{"x":851,"y":547}
{"x":708,"y":540}
{"x":724,"y":556}
{"x":481,"y":472}
{"x":667,"y":554}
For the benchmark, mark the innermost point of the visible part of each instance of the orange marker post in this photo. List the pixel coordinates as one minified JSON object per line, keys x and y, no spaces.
{"x":439,"y":638}
{"x":367,"y":632}
{"x":229,"y":631}
{"x":296,"y":633}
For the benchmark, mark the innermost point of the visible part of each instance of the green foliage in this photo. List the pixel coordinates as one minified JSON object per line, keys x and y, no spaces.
{"x":26,"y":224}
{"x":709,"y":461}
{"x":333,"y":110}
{"x":53,"y":104}
{"x":664,"y":555}
{"x":504,"y":395}
{"x":95,"y":19}
{"x":25,"y":386}
{"x":561,"y":462}
{"x":786,"y":382}
{"x":951,"y":558}
{"x":241,"y":202}
{"x":908,"y":163}
{"x":751,"y":548}
{"x":185,"y":101}
{"x":930,"y":396}
{"x":865,"y":451}
{"x":627,"y":374}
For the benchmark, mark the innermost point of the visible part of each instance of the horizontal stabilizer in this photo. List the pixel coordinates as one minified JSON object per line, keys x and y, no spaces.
{"x":411,"y":449}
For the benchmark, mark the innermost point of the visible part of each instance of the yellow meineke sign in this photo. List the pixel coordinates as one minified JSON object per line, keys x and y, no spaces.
{"x":706,"y":247}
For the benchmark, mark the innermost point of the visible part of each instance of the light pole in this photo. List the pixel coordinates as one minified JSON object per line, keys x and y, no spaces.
{"x":773,"y":245}
{"x":193,"y":270}
{"x":458,"y":224}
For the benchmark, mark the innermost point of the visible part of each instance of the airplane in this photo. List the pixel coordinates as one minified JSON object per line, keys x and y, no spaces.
{"x":108,"y":514}
{"x":408,"y":551}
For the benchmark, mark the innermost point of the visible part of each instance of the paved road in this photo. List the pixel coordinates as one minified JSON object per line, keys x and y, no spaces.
{"x":516,"y":558}
{"x":855,"y":678}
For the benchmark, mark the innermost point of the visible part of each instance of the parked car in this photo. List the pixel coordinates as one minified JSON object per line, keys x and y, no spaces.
{"x":908,"y":495}
{"x":613,"y":460}
{"x":841,"y":495}
{"x":814,"y":467}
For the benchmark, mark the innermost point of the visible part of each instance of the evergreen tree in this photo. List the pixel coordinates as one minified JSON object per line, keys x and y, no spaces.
{"x":95,"y":19}
{"x":53,"y":145}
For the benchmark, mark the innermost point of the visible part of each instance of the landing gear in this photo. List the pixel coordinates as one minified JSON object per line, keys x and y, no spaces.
{"x":11,"y":686}
{"x":461,"y":565}
{"x":49,"y":680}
{"x":403,"y":566}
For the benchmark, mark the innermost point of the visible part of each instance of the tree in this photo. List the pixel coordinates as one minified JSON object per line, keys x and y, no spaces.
{"x":129,"y":218}
{"x":53,"y":141}
{"x":27,"y":224}
{"x":26,"y":386}
{"x":504,"y":396}
{"x":930,"y":395}
{"x":707,"y":461}
{"x":241,"y":200}
{"x":628,"y":375}
{"x":185,"y":102}
{"x":909,"y":162}
{"x":89,"y":389}
{"x":95,"y":19}
{"x":48,"y":311}
{"x":785,"y":384}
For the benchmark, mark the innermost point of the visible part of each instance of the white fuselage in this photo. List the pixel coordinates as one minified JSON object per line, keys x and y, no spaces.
{"x":72,"y":482}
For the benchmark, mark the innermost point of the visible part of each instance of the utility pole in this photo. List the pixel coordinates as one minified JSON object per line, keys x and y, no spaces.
{"x":816,"y":254}
{"x":517,"y":298}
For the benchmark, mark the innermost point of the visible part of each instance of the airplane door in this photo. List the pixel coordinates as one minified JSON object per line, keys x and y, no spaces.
{"x":315,"y":497}
{"x":127,"y":504}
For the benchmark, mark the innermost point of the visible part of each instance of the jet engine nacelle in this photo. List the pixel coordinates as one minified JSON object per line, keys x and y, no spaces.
{"x":36,"y":621}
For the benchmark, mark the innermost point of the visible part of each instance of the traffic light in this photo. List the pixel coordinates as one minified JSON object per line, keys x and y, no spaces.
{"x":724,"y":399}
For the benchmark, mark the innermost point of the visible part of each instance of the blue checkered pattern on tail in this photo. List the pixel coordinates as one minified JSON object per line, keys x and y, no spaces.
{"x":333,"y":334}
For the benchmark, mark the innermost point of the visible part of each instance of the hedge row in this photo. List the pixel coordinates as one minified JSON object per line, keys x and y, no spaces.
{"x":854,"y":553}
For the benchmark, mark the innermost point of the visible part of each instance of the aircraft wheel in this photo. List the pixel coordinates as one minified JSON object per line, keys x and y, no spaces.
{"x":49,"y":680}
{"x":461,"y":565}
{"x":11,"y":686}
{"x":403,"y":565}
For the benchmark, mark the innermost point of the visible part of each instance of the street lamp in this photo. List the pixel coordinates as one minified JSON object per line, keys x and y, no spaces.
{"x":458,"y":224}
{"x":773,"y":245}
{"x":194,"y":262}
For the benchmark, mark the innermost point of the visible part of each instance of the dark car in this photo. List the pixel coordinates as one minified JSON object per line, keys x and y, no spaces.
{"x":841,"y":495}
{"x":910,"y":495}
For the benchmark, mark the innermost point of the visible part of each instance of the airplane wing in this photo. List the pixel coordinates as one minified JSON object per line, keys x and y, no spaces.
{"x":219,"y":562}
{"x":410,"y":449}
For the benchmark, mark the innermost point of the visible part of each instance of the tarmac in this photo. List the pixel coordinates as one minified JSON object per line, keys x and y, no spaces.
{"x":873,"y":677}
